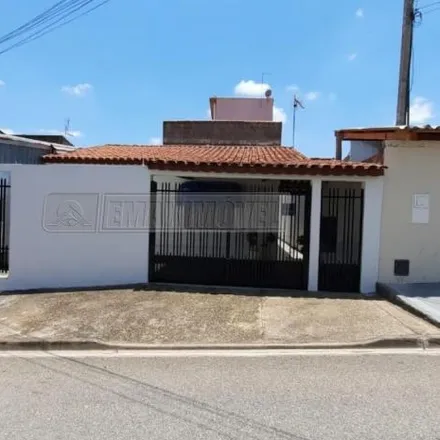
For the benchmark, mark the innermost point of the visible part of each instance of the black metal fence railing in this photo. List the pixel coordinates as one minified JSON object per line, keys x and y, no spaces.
{"x":341,"y":237}
{"x":257,"y":236}
{"x":4,"y":225}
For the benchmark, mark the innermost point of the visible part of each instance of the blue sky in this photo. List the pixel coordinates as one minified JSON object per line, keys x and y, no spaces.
{"x":120,"y":71}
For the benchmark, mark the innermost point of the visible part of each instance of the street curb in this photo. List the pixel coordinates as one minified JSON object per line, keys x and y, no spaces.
{"x":391,"y":295}
{"x":407,"y":342}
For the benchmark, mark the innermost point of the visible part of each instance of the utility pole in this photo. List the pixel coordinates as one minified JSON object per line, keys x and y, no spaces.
{"x":402,"y":117}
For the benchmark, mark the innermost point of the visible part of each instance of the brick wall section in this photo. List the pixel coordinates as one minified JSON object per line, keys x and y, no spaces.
{"x":222,"y":133}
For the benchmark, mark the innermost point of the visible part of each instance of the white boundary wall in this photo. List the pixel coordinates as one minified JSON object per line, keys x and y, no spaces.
{"x":41,"y":258}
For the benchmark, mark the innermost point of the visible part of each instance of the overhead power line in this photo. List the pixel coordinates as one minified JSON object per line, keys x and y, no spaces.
{"x":428,"y":5}
{"x":57,"y":16}
{"x":39,"y":19}
{"x":431,"y":10}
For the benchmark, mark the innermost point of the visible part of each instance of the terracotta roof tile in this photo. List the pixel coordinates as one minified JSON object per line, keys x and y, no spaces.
{"x":215,"y":158}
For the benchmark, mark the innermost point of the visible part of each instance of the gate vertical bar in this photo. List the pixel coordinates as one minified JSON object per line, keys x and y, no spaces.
{"x":308,"y":232}
{"x":3,"y":221}
{"x":361,"y":235}
{"x":176,"y":248}
{"x":166,"y":218}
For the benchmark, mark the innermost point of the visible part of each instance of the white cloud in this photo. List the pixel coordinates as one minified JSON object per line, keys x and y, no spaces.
{"x":7,"y":130}
{"x":312,"y":96}
{"x":78,"y":90}
{"x":279,"y":115}
{"x":332,"y":96}
{"x":421,"y":110}
{"x":72,"y":133}
{"x":155,"y":141}
{"x":208,"y":113}
{"x":251,"y":88}
{"x":352,"y":56}
{"x":2,"y":83}
{"x":292,"y":88}
{"x":360,"y":13}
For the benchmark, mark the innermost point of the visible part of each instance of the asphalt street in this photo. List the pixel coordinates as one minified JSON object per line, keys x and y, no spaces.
{"x":297,"y":397}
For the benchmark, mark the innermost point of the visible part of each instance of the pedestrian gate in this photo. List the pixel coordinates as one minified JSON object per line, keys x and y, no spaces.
{"x":272,"y":254}
{"x":342,"y":209}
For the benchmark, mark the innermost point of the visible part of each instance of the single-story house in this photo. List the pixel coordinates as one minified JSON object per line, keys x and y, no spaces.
{"x":321,"y":209}
{"x":30,"y":149}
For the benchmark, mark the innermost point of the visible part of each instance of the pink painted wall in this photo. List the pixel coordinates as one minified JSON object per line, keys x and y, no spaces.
{"x":242,"y":109}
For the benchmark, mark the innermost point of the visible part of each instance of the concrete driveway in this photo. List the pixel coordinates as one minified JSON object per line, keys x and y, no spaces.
{"x":423,"y":298}
{"x":150,"y":317}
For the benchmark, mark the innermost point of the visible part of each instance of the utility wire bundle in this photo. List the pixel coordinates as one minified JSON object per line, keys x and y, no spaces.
{"x":60,"y":14}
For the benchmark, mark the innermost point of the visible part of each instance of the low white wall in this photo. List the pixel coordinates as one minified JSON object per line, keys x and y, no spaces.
{"x":371,"y":235}
{"x":109,"y":250}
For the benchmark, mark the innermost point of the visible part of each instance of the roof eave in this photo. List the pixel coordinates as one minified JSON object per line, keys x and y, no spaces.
{"x":291,"y":169}
{"x":389,"y":134}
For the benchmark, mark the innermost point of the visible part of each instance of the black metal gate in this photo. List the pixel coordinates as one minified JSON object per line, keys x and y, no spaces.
{"x":274,"y":255}
{"x":342,"y":209}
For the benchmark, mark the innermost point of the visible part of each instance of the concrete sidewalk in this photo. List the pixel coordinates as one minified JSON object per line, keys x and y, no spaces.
{"x":422,"y":298}
{"x":157,"y":318}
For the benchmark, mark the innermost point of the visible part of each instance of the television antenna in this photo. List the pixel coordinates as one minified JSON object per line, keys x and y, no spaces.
{"x":67,"y":128}
{"x":296,"y":103}
{"x":263,"y":75}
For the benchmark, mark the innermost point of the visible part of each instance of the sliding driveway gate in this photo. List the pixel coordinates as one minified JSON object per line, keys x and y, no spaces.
{"x":254,"y":235}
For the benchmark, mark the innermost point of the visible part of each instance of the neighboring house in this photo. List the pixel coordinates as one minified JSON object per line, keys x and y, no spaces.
{"x":58,"y":139}
{"x":29,"y":149}
{"x":21,"y":149}
{"x":410,"y":225}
